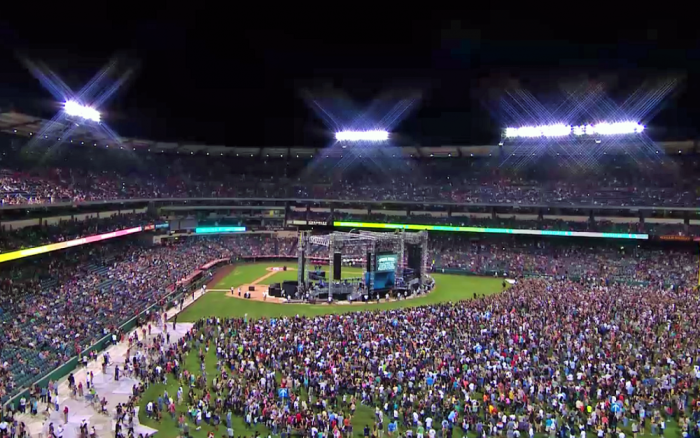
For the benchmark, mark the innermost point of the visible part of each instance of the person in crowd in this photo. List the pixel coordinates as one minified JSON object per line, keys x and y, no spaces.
{"x":544,"y":355}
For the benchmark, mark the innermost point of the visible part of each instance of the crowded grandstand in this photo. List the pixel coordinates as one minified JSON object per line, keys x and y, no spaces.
{"x":383,"y":225}
{"x":545,"y":302}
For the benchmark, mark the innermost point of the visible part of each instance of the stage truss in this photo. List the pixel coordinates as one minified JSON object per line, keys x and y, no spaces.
{"x":370,"y":242}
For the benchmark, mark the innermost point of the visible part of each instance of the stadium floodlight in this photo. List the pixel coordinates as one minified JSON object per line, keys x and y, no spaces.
{"x":362,"y":135}
{"x":73,"y":108}
{"x":539,"y":131}
{"x":561,"y":130}
{"x":616,"y":128}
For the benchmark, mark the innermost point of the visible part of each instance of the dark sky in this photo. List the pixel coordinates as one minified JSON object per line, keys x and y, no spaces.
{"x":222,"y":73}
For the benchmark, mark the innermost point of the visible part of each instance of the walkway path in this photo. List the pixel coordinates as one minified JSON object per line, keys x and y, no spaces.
{"x":114,"y":391}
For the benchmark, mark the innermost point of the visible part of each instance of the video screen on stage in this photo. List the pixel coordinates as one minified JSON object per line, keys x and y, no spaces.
{"x":386,"y":262}
{"x":384,"y":272}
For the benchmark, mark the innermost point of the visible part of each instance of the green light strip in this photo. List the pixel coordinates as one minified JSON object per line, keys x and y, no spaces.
{"x":489,"y":230}
{"x":211,"y":230}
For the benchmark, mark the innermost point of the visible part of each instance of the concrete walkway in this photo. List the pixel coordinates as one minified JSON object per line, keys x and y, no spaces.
{"x":114,"y":391}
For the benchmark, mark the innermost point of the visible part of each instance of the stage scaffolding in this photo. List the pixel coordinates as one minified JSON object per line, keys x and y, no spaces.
{"x":370,"y":242}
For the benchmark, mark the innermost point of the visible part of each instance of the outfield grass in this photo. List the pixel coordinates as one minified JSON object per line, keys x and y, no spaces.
{"x":218,"y":304}
{"x":244,"y":274}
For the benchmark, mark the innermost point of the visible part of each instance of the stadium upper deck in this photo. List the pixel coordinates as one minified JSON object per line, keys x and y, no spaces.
{"x":48,"y":171}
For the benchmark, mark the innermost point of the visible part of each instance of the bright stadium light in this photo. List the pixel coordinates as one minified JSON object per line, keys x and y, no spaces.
{"x":561,"y":130}
{"x":362,"y":135}
{"x":618,"y":128}
{"x":75,"y":109}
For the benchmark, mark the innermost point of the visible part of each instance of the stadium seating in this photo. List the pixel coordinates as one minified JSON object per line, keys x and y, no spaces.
{"x":53,"y":307}
{"x":100,"y":287}
{"x":81,"y":174}
{"x":597,"y":260}
{"x":33,"y":236}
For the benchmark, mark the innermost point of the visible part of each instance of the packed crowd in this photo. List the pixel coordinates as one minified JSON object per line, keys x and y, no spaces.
{"x":111,"y":283}
{"x":28,"y":237}
{"x":19,"y":188}
{"x":537,"y":257}
{"x":80,"y":174}
{"x":556,"y":358}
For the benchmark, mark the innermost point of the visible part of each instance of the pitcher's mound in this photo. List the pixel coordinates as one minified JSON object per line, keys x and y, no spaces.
{"x":256,"y":295}
{"x":280,"y":269}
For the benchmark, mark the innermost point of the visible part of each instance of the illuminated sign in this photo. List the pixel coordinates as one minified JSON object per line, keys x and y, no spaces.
{"x":303,"y":222}
{"x":14,"y":255}
{"x":386,"y":262}
{"x":214,"y":230}
{"x":417,"y":227}
{"x":676,"y":238}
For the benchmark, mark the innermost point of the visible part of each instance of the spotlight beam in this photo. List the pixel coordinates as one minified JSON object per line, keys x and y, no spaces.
{"x":48,"y":79}
{"x":95,"y":83}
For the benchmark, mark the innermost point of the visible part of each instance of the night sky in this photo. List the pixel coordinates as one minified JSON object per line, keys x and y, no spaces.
{"x":237,"y":75}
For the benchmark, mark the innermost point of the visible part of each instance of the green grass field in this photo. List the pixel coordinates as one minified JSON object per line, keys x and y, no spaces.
{"x":217,"y":304}
{"x":248,"y":273}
